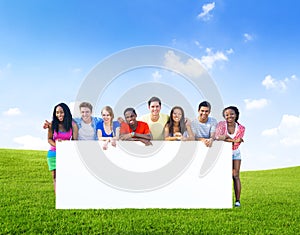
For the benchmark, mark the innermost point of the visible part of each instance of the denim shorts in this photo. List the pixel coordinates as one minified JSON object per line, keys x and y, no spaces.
{"x":236,"y":154}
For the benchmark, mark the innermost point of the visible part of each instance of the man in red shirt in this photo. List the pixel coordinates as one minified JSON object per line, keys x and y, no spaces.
{"x":133,"y":129}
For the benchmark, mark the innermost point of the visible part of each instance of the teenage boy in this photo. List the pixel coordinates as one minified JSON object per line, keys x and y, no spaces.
{"x":155,"y":119}
{"x":204,"y":127}
{"x":132,"y":129}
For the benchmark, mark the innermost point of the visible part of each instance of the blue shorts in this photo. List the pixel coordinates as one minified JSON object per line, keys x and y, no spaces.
{"x":236,"y":154}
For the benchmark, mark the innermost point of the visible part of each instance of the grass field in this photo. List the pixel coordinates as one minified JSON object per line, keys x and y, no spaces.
{"x":270,"y":205}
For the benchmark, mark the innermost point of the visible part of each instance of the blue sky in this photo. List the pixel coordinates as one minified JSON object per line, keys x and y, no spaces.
{"x":250,"y":49}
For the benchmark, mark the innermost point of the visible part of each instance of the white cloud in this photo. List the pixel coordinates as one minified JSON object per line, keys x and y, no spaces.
{"x":12,"y":112}
{"x":271,"y":83}
{"x":197,"y":43}
{"x":288,"y":131}
{"x":156,"y":75}
{"x":255,"y":104}
{"x":289,"y":142}
{"x":294,"y":77}
{"x":279,"y":85}
{"x":230,"y":51}
{"x":290,"y":125}
{"x":211,"y":58}
{"x":247,"y":37}
{"x":270,"y":132}
{"x":30,"y":142}
{"x":268,"y":82}
{"x":191,"y":67}
{"x":206,"y":9}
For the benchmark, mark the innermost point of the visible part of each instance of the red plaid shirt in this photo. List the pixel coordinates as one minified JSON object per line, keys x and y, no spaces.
{"x":222,"y":130}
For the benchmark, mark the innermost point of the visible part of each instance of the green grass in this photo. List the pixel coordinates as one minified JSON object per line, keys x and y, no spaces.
{"x":270,"y":205}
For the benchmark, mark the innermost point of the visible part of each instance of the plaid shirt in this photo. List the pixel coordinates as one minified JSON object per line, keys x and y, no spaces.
{"x":222,"y":130}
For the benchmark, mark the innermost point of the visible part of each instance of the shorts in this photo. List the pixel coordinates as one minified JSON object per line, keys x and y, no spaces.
{"x":51,"y":160}
{"x":236,"y":154}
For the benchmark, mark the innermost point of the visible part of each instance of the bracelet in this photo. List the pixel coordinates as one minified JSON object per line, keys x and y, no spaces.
{"x":132,"y":134}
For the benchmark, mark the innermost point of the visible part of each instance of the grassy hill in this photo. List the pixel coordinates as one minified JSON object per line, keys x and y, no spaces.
{"x":270,"y":205}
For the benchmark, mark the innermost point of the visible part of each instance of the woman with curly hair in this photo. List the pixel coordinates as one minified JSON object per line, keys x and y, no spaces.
{"x":232,"y":131}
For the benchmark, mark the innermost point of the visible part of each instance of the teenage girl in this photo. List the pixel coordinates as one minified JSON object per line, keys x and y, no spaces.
{"x":232,"y":131}
{"x":62,"y":128}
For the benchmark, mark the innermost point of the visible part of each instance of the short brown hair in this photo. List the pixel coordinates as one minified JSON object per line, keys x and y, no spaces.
{"x":86,"y":105}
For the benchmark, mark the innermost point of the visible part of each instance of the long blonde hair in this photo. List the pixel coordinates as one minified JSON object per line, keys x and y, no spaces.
{"x":110,"y":111}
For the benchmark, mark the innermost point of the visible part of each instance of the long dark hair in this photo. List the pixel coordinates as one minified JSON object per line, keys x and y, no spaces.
{"x":170,"y":123}
{"x":67,"y":122}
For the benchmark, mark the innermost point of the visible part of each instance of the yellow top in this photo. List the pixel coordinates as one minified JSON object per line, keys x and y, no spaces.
{"x":156,"y":128}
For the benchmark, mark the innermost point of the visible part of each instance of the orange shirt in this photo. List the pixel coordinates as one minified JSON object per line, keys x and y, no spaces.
{"x":142,"y":128}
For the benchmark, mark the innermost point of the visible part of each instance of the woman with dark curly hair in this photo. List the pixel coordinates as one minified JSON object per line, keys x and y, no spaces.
{"x":232,"y":131}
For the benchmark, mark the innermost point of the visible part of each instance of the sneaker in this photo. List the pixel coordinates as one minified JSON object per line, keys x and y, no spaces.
{"x":237,"y":204}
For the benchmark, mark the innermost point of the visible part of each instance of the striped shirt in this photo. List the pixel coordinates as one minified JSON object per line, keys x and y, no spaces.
{"x":204,"y":130}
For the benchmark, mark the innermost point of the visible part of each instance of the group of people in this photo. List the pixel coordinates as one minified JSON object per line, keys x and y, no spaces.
{"x":152,"y":126}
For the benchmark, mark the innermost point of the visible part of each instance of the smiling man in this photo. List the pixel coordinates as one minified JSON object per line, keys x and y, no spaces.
{"x":87,"y":123}
{"x":133,"y":129}
{"x":155,"y":119}
{"x":204,"y":127}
